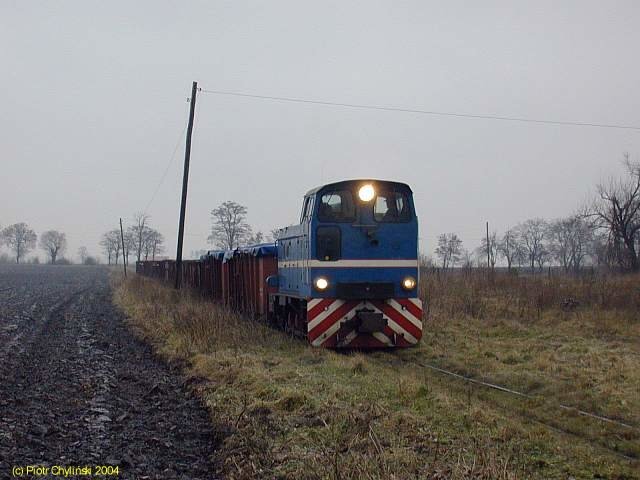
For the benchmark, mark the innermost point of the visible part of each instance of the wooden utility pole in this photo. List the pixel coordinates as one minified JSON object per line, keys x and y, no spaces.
{"x":185,"y":181}
{"x":508,"y":252}
{"x":488,"y":247}
{"x":124,"y":257}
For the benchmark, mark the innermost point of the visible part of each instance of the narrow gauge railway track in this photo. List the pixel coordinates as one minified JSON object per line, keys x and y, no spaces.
{"x":555,"y":426}
{"x":397,"y":355}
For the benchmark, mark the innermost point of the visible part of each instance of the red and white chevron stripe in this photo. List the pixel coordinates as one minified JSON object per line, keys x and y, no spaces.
{"x":326,"y":315}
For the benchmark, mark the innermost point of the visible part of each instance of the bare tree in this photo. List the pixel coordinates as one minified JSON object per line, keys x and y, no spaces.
{"x":601,"y":249}
{"x":110,"y":243}
{"x":467,"y":259}
{"x":146,"y":244}
{"x":616,"y":209}
{"x":155,"y":244}
{"x":449,"y":249}
{"x":569,"y":240}
{"x":152,"y":243}
{"x":83,"y":253}
{"x":229,"y":227}
{"x":54,"y":243}
{"x":559,"y":236}
{"x":20,"y":239}
{"x":544,"y":256}
{"x":130,"y":245}
{"x":492,"y":247}
{"x":139,"y":231}
{"x":531,"y":236}
{"x":509,"y":248}
{"x":256,"y":238}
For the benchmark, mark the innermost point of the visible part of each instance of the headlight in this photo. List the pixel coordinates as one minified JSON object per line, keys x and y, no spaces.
{"x":366,"y":193}
{"x":409,"y":283}
{"x":321,"y":283}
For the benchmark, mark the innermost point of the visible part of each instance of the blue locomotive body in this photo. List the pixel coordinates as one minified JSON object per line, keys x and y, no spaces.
{"x":356,"y":244}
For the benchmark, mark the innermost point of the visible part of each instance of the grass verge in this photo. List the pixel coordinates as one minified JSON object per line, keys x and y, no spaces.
{"x":289,"y":411}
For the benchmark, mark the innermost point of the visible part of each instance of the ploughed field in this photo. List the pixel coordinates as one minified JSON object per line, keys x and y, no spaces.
{"x":78,"y":389}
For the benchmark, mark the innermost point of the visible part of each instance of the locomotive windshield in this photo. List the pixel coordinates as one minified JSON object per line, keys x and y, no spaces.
{"x":337,"y":206}
{"x":391,"y":207}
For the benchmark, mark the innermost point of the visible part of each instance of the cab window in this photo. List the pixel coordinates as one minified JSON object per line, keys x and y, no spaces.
{"x":391,"y":207}
{"x":336,"y":206}
{"x":305,"y":209}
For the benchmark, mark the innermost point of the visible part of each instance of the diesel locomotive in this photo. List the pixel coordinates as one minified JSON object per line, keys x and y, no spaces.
{"x":348,"y":272}
{"x":346,"y":276}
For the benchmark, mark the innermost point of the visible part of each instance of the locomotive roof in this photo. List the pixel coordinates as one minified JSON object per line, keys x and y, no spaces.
{"x":345,"y":183}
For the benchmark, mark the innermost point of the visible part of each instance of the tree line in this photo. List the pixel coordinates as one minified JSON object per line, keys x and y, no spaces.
{"x":140,"y":239}
{"x":534,"y":243}
{"x":605,"y":232}
{"x":21,"y":240}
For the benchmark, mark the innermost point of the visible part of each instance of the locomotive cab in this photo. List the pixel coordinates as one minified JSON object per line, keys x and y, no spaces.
{"x":363,"y":240}
{"x":348,"y":272}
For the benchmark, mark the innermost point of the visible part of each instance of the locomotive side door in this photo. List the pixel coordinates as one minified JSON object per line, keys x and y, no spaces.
{"x":305,"y":221}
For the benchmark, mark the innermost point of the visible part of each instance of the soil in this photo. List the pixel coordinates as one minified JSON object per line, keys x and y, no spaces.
{"x":78,"y":389}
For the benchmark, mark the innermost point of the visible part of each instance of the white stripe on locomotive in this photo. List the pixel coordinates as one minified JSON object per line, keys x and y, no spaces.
{"x":405,"y":313}
{"x":367,"y":263}
{"x":324,"y":314}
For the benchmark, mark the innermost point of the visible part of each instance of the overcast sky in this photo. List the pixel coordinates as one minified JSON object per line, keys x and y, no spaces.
{"x":93,"y":101}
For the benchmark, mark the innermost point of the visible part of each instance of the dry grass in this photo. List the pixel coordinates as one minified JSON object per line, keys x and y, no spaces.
{"x":289,"y":411}
{"x":582,"y":334}
{"x":526,"y":297}
{"x":571,"y":341}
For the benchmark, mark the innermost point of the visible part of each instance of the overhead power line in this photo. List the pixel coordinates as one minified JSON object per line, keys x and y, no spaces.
{"x":424,"y":112}
{"x":166,"y":170}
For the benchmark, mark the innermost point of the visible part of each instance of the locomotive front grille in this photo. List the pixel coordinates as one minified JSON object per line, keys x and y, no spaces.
{"x":365,"y":290}
{"x":371,"y":322}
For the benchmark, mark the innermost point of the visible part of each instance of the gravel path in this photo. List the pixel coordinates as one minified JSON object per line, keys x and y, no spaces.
{"x":77,"y":389}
